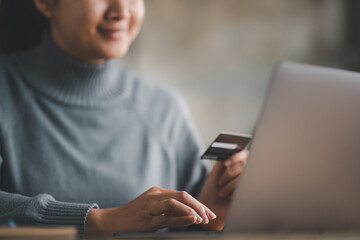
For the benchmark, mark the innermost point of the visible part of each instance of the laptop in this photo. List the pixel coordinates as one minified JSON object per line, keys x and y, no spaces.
{"x":303,"y":173}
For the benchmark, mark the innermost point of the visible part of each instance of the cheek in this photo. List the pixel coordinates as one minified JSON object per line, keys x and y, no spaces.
{"x":90,"y":24}
{"x":88,"y":19}
{"x":77,"y":28}
{"x":137,"y":17}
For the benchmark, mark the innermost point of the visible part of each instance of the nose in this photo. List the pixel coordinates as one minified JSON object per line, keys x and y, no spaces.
{"x":118,"y":10}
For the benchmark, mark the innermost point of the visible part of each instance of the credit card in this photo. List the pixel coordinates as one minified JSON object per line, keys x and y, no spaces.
{"x":225,"y":145}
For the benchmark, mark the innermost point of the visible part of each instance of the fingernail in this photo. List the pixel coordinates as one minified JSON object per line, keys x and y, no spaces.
{"x":199,"y":220}
{"x":206,"y":221}
{"x":212,"y":215}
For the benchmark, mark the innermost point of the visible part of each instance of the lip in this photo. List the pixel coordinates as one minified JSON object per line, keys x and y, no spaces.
{"x":114,"y":34}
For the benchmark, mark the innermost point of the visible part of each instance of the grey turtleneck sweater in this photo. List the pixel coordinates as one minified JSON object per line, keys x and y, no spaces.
{"x":74,"y":136}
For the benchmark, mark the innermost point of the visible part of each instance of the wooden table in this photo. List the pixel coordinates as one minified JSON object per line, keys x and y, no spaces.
{"x":69,"y":233}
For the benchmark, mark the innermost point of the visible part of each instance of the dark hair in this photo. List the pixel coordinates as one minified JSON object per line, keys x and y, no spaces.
{"x":21,"y":25}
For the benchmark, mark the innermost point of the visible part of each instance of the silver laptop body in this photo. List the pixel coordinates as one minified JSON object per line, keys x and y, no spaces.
{"x":303,"y":173}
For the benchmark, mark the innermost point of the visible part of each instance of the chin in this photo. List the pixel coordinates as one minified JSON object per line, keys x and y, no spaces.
{"x":115,"y":51}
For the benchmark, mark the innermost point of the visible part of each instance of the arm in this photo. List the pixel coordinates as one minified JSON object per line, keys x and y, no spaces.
{"x":156,"y":208}
{"x":42,"y":209}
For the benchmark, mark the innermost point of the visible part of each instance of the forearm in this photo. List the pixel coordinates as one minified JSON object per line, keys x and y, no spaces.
{"x":42,"y":210}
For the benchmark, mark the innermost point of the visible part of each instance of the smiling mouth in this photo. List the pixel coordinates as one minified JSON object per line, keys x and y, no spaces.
{"x":113,"y":34}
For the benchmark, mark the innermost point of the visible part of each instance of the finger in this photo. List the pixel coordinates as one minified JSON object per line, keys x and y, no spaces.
{"x":161,"y":193}
{"x":210,"y":214}
{"x":218,"y":167}
{"x":169,"y":221}
{"x":231,"y":173}
{"x":237,"y":157}
{"x":228,"y":188}
{"x":173,"y":206}
{"x":203,"y":210}
{"x":188,"y":200}
{"x":230,"y":197}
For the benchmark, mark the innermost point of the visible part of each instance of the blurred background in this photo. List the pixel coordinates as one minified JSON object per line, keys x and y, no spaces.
{"x":219,"y":54}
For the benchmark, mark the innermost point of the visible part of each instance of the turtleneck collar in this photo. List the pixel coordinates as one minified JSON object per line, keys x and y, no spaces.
{"x":63,"y":78}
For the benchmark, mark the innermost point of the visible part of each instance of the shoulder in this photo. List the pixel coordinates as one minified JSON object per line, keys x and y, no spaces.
{"x":5,"y":67}
{"x":6,"y":70}
{"x":9,"y":87}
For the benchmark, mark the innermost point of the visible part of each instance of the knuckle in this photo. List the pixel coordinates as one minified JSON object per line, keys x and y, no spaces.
{"x":153,"y":189}
{"x":203,"y":208}
{"x":171,"y":203}
{"x":190,"y":211}
{"x":184,"y":195}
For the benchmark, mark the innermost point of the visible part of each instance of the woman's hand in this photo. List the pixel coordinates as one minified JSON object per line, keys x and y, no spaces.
{"x":219,"y":186}
{"x":155,"y":209}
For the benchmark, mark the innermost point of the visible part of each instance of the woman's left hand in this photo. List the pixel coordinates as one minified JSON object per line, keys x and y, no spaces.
{"x":219,"y":187}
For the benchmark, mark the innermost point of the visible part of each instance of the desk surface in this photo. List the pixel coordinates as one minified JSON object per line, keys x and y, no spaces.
{"x":298,"y":236}
{"x":69,"y":233}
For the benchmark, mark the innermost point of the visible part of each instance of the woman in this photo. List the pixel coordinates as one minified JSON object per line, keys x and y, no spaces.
{"x":79,"y":132}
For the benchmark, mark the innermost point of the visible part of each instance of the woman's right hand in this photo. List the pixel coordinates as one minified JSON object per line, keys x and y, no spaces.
{"x":155,"y":209}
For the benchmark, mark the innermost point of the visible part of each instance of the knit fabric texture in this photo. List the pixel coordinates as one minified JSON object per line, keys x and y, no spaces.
{"x":74,"y":136}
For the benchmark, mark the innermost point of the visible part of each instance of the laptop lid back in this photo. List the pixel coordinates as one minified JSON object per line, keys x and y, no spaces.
{"x":303,"y":173}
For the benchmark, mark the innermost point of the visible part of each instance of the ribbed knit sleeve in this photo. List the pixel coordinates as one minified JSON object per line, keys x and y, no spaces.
{"x":48,"y":211}
{"x":43,"y":210}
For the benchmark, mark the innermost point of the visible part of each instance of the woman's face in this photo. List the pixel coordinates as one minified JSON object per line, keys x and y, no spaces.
{"x":93,"y":30}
